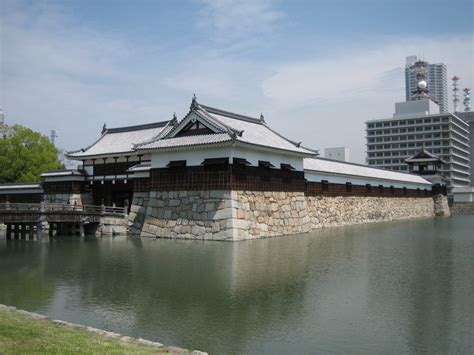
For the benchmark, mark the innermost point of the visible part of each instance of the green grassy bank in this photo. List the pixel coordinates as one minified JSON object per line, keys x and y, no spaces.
{"x":22,"y":334}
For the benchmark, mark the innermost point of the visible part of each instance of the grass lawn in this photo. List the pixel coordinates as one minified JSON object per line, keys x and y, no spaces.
{"x":20,"y":334}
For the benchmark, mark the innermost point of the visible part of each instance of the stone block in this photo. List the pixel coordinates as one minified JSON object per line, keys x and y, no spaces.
{"x":223,"y":214}
{"x":241,"y":224}
{"x":174,"y":202}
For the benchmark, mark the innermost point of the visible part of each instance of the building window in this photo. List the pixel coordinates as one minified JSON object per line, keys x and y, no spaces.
{"x":348,"y":186}
{"x":286,"y":172}
{"x":324,"y":185}
{"x":240,"y":168}
{"x":265,"y":170}
{"x":176,"y":164}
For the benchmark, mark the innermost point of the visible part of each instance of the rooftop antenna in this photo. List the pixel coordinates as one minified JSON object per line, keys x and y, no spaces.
{"x":455,"y":80}
{"x":467,"y":99}
{"x":420,"y":72}
{"x":54,"y":135}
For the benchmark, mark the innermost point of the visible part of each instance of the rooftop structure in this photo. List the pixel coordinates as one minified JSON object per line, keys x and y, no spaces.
{"x":339,"y":153}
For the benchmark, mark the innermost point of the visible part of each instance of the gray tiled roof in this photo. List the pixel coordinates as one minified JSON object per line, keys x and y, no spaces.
{"x":338,"y":167}
{"x":122,"y":139}
{"x":228,"y":127}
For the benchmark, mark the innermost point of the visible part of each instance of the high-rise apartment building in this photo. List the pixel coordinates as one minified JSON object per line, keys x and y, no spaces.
{"x":437,"y":80}
{"x":417,"y":125}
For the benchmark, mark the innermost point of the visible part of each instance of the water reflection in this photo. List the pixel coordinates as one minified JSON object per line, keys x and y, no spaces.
{"x":392,"y":287}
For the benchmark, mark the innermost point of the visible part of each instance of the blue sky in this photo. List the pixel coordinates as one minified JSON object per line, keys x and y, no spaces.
{"x":316,"y":69}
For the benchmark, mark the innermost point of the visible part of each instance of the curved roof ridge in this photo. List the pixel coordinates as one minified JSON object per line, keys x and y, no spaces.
{"x":229,"y":114}
{"x":158,"y":136}
{"x":137,"y":127}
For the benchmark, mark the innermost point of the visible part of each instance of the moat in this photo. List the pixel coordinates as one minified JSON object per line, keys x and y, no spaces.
{"x":396,"y":287}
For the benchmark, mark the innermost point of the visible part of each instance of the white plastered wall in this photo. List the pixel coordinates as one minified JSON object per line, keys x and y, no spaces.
{"x":195,"y":157}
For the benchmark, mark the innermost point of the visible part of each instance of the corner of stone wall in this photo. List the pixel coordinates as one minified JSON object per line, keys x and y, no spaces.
{"x":138,"y":211}
{"x":441,"y":206}
{"x":112,"y":226}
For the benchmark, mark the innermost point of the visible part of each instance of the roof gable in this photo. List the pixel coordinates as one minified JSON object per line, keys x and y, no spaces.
{"x":424,"y":156}
{"x":229,"y":127}
{"x":194,"y":119}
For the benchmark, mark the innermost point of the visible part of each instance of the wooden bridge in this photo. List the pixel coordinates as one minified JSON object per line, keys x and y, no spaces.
{"x":30,"y":220}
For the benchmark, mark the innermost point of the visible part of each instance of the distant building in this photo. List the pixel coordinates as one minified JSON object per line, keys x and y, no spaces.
{"x":469,"y":118}
{"x":341,"y":154}
{"x":419,"y":125}
{"x":437,"y":81}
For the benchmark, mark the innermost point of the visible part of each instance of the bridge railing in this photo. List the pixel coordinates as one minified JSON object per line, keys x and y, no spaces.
{"x":59,"y":207}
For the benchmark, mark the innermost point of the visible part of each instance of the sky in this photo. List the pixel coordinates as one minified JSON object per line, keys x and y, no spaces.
{"x":317,"y":70}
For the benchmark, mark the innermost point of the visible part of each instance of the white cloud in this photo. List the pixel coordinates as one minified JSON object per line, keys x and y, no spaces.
{"x":364,"y":73}
{"x":229,"y":20}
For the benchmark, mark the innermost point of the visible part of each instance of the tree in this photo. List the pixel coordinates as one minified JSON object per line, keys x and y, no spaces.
{"x":25,"y":154}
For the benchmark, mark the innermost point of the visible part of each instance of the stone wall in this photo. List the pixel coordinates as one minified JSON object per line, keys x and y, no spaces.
{"x":137,"y":214}
{"x":186,"y":214}
{"x":462,"y":208}
{"x":112,"y":226}
{"x":441,"y":206}
{"x":240,"y":215}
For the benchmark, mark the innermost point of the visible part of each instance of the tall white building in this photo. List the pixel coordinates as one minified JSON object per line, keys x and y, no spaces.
{"x":437,"y":81}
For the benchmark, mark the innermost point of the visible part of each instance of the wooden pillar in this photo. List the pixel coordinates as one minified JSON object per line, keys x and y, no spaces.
{"x":73,"y":229}
{"x":31,"y":230}
{"x":23,"y":231}
{"x":39,"y":230}
{"x":81,"y":230}
{"x":51,"y":229}
{"x":16,"y":231}
{"x":9,"y":231}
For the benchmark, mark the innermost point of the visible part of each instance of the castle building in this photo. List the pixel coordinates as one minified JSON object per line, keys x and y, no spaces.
{"x":219,"y":175}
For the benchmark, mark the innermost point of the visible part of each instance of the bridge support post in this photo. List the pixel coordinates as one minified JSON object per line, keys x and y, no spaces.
{"x":23,"y":231}
{"x":73,"y":229}
{"x":31,"y":231}
{"x":9,"y":232}
{"x":51,"y":229}
{"x":39,"y":230}
{"x":81,"y":230}
{"x":16,"y":231}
